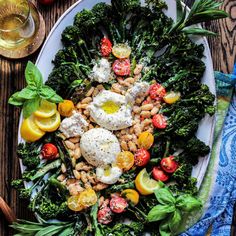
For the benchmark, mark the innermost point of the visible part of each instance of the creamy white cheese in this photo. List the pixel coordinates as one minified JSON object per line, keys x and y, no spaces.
{"x":114,"y":175}
{"x":99,"y":147}
{"x":120,"y":119}
{"x":73,"y":126}
{"x":138,"y":89}
{"x":101,"y":71}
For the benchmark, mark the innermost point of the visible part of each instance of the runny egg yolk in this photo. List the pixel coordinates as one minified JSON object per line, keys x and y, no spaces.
{"x":110,"y":107}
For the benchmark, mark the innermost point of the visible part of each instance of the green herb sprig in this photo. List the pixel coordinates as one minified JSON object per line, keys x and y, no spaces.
{"x":31,"y":96}
{"x":171,"y":209}
{"x":201,"y":11}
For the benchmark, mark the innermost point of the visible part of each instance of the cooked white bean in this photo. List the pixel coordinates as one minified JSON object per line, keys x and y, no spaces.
{"x":90,"y":92}
{"x":147,"y":107}
{"x":124,"y":146}
{"x":77,"y":174}
{"x":132,"y":146}
{"x":154,"y":110}
{"x":86,"y":100}
{"x":77,"y":153}
{"x":137,"y":109}
{"x":129,"y":80}
{"x":74,"y":140}
{"x":138,"y":69}
{"x":100,"y":87}
{"x":145,"y":114}
{"x":70,"y":145}
{"x":63,"y":168}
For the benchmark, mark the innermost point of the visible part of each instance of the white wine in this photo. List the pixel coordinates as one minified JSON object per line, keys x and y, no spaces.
{"x":16,"y":24}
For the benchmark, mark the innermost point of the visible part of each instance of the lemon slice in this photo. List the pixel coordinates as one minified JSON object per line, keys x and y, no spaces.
{"x":121,"y":50}
{"x":144,"y":184}
{"x":46,"y":109}
{"x":171,"y":97}
{"x":30,"y":132}
{"x":48,"y":124}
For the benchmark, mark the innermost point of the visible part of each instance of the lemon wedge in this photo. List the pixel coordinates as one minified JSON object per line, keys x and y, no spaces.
{"x":30,"y":132}
{"x":48,"y":124}
{"x":144,"y":184}
{"x":46,"y":109}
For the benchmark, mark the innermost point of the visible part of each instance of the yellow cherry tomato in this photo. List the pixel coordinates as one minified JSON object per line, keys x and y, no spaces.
{"x":74,"y":203}
{"x":121,"y":50}
{"x":66,"y":107}
{"x":88,"y":198}
{"x":131,"y":194}
{"x":171,"y":97}
{"x":125,"y":160}
{"x":145,"y":140}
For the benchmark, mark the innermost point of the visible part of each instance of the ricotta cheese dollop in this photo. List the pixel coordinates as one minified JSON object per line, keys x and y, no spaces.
{"x":101,"y":71}
{"x":111,"y":110}
{"x":99,"y":147}
{"x":74,"y":125}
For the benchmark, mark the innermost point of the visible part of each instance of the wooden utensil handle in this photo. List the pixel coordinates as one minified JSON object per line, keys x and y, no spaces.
{"x":7,"y":211}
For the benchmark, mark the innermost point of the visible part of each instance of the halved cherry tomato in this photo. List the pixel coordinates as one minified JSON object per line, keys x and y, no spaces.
{"x":145,"y":140}
{"x":141,"y":157}
{"x":159,"y":121}
{"x":131,"y":194}
{"x":104,"y":215}
{"x":121,"y":50}
{"x":169,"y":165}
{"x":106,"y":47}
{"x":125,"y":160}
{"x":118,"y":204}
{"x":49,"y":151}
{"x":157,"y":91}
{"x":74,"y":204}
{"x":121,"y":67}
{"x":88,"y":197}
{"x":159,"y":174}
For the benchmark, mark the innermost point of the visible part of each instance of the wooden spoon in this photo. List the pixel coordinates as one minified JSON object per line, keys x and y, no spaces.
{"x":7,"y":211}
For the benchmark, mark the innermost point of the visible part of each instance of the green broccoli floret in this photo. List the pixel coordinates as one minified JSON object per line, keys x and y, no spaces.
{"x":25,"y":193}
{"x":103,"y":12}
{"x":47,"y":209}
{"x":123,"y":6}
{"x":70,"y":35}
{"x":17,"y":183}
{"x":31,"y":162}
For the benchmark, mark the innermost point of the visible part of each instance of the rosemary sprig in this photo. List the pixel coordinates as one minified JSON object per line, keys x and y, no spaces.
{"x":201,"y":11}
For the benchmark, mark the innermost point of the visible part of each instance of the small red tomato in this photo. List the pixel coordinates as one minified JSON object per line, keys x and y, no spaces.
{"x":46,"y":2}
{"x":169,"y":165}
{"x":159,"y":121}
{"x":121,"y":67}
{"x":159,"y":174}
{"x":104,"y":215}
{"x":141,"y":157}
{"x":118,"y":204}
{"x":49,"y":151}
{"x":106,"y":47}
{"x":157,"y":91}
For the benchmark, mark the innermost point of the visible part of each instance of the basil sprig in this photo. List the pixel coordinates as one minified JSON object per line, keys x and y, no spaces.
{"x":31,"y":96}
{"x":171,"y":209}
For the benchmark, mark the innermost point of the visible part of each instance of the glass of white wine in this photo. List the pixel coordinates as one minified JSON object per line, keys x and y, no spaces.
{"x":19,"y":22}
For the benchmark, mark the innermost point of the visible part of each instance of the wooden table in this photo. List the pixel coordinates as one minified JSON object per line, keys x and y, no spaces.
{"x":12,"y":79}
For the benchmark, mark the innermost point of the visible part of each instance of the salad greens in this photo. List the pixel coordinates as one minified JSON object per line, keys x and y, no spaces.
{"x":171,"y":59}
{"x":30,"y":97}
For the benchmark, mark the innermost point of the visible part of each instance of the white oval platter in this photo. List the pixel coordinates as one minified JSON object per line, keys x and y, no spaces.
{"x":53,"y":44}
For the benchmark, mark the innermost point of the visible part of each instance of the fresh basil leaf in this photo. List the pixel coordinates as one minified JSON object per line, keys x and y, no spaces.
{"x":55,"y":99}
{"x":164,"y":196}
{"x":159,"y":212}
{"x":164,"y":228}
{"x":16,"y":100}
{"x":30,"y":106}
{"x":188,"y":203}
{"x":46,"y":92}
{"x":33,"y":76}
{"x":27,"y":93}
{"x":175,"y":221}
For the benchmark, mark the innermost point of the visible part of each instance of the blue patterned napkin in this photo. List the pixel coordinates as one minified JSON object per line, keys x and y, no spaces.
{"x":218,"y":191}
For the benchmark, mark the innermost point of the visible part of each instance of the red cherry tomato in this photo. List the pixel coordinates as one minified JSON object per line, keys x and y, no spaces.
{"x":46,"y":2}
{"x":118,"y":204}
{"x":157,"y":91}
{"x":121,"y":67}
{"x":106,"y":47}
{"x":49,"y":151}
{"x":159,"y":121}
{"x":159,"y":174}
{"x":104,"y":215}
{"x":141,"y":157}
{"x":169,"y":165}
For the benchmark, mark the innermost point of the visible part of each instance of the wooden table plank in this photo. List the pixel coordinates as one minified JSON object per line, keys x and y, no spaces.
{"x":11,"y":79}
